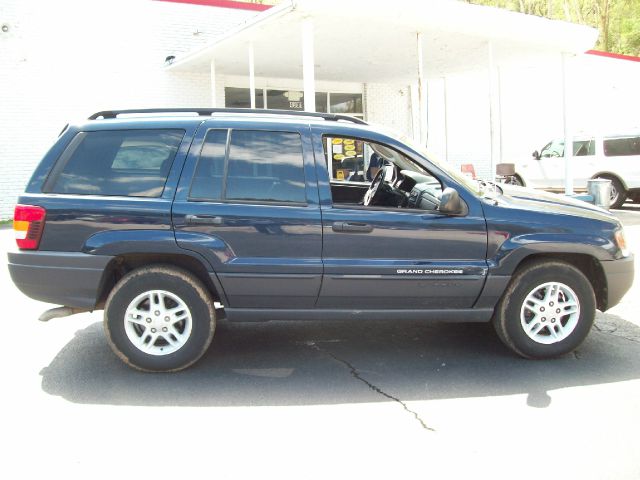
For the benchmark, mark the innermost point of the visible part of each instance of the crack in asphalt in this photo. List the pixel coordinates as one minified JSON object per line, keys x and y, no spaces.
{"x":615,"y":331}
{"x":355,"y":374}
{"x":606,"y":330}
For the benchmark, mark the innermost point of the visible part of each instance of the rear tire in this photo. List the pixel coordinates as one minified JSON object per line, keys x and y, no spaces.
{"x":546,"y":311}
{"x":618,"y":193}
{"x":159,"y":319}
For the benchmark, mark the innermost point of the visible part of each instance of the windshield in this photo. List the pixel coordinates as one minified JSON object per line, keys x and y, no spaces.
{"x":458,"y":176}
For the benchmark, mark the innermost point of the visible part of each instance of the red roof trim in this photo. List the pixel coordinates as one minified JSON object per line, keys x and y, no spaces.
{"x":619,"y":56}
{"x":224,"y":4}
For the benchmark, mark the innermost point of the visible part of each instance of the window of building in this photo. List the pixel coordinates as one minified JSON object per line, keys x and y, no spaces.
{"x":346,"y":103}
{"x":348,"y":159}
{"x":240,"y":98}
{"x":116,"y":162}
{"x":261,"y":166}
{"x":326,"y":102}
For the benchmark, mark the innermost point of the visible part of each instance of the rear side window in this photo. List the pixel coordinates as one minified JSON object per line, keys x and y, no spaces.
{"x":261,"y":166}
{"x":132,"y":163}
{"x":614,"y":147}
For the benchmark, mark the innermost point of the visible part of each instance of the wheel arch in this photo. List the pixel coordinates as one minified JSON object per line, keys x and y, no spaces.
{"x":587,"y":264}
{"x":608,"y":174}
{"x":122,"y":264}
{"x":520,"y":178}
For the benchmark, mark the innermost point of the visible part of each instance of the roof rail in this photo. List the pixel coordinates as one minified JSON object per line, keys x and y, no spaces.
{"x":334,"y":117}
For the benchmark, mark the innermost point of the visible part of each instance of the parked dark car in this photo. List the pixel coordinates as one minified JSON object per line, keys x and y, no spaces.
{"x":159,"y":219}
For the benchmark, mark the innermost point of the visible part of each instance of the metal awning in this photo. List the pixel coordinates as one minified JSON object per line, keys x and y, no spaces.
{"x":375,"y":41}
{"x":404,"y":41}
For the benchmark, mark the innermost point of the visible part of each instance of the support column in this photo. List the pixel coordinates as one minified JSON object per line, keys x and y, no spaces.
{"x":568,"y":140}
{"x":308,"y":66}
{"x":422,"y":99}
{"x":494,"y":114}
{"x":252,"y":77}
{"x":415,"y":113}
{"x":213,"y":84}
{"x":446,"y":119}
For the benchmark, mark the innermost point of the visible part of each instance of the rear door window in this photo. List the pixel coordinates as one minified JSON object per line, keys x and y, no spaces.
{"x":132,"y":163}
{"x":259,"y":166}
{"x":584,"y":148}
{"x":208,"y":180}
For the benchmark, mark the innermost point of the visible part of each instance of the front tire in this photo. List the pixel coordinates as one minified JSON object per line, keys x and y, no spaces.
{"x":546,"y":311}
{"x":517,"y":180}
{"x":159,"y":319}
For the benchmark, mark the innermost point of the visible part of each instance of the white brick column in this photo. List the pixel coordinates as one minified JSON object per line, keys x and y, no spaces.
{"x":308,"y":67}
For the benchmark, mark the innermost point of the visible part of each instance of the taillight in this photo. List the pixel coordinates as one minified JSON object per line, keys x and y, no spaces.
{"x":28,"y":223}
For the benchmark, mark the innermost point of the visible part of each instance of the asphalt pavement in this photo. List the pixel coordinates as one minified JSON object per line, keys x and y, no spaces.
{"x":357,"y":399}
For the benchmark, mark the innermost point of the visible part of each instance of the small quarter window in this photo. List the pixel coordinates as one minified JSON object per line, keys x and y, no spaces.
{"x":132,"y":163}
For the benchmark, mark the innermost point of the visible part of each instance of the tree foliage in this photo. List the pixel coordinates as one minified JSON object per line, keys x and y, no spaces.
{"x":618,"y":21}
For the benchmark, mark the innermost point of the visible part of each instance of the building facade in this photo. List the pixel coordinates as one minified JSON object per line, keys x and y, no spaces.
{"x":64,"y":60}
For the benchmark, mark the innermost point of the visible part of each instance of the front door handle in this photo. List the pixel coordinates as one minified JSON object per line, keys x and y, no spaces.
{"x":203,"y":220}
{"x":354,"y":227}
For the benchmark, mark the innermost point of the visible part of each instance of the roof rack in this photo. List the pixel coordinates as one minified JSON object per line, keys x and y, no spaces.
{"x":206,"y":112}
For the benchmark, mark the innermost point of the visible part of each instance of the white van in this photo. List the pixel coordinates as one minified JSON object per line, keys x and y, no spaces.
{"x":615,"y":157}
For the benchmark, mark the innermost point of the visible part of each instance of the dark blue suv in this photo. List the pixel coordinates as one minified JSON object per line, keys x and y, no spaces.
{"x":168,"y":220}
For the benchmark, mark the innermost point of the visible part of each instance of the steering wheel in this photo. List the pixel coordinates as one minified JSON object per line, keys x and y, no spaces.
{"x":374,"y":189}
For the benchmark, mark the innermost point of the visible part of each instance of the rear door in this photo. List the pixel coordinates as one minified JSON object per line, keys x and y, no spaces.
{"x":583,"y":161}
{"x":248,"y":202}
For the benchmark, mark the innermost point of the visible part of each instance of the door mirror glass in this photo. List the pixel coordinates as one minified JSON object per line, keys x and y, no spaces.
{"x":450,"y":203}
{"x":536,"y":154}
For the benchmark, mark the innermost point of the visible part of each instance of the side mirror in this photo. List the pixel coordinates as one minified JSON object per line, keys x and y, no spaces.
{"x":450,"y":203}
{"x":536,"y":154}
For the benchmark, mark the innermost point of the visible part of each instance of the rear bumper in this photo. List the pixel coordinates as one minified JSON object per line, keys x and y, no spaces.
{"x":619,"y":274}
{"x":63,"y":278}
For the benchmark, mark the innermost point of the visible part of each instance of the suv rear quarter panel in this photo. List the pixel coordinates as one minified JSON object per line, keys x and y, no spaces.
{"x":73,"y":219}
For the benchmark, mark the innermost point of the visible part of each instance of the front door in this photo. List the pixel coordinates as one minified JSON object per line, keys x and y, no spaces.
{"x":248,"y":202}
{"x":384,"y":257}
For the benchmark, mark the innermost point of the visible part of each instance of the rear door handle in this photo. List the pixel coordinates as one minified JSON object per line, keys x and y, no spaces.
{"x":352,"y":227}
{"x":203,"y":220}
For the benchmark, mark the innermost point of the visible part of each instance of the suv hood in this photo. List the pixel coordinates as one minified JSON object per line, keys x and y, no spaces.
{"x":538,"y":200}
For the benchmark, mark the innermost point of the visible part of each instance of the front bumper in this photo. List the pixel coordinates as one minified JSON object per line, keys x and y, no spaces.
{"x":619,"y":274}
{"x":62,"y":278}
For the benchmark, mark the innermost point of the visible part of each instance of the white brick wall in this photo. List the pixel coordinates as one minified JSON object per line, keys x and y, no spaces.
{"x":467,"y":121}
{"x":63,"y":60}
{"x":389,"y":105}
